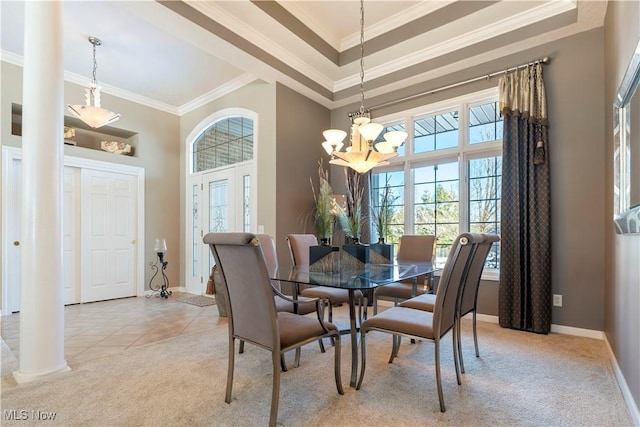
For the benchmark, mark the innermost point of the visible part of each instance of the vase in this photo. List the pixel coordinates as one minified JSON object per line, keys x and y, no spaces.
{"x":354,"y":255}
{"x":324,"y":258}
{"x":381,"y":253}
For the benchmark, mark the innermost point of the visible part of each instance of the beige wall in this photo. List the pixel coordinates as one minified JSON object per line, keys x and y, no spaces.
{"x":156,"y":152}
{"x":622,"y":296}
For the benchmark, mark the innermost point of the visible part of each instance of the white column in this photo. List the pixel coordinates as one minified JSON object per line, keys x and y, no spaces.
{"x":41,"y":269}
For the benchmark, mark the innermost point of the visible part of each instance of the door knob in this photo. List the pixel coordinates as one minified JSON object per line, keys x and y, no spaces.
{"x":133,"y":242}
{"x":16,"y":243}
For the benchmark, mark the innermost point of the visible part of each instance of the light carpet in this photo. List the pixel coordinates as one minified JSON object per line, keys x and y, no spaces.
{"x":520,"y":379}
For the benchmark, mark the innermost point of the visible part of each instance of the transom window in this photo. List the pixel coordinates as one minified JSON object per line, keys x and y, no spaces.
{"x":448,"y":178}
{"x":226,"y":142}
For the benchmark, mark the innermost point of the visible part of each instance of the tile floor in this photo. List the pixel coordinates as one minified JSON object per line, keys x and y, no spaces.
{"x":106,"y":327}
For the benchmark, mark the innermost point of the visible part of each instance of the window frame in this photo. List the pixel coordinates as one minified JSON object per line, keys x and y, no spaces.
{"x":462,"y":153}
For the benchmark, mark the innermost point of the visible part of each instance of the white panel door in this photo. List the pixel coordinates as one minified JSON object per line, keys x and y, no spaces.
{"x":71,"y":234}
{"x":71,"y":228}
{"x":13,"y":212}
{"x":109,"y":235}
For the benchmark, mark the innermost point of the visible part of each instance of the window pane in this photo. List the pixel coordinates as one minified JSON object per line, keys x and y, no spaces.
{"x":226,"y":142}
{"x":246,"y":202}
{"x":484,"y":200}
{"x":485,"y":123}
{"x":436,"y":204}
{"x":393,"y":216}
{"x":435,"y":132}
{"x":195,"y":236}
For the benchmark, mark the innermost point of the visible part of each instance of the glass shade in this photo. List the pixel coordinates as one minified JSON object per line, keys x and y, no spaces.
{"x":160,"y":245}
{"x":93,"y":116}
{"x":330,"y":148}
{"x":384,"y":147}
{"x":370,"y":131}
{"x":334,"y":135}
{"x":395,"y":138}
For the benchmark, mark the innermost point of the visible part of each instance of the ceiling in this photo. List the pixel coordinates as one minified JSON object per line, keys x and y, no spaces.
{"x":176,"y":56}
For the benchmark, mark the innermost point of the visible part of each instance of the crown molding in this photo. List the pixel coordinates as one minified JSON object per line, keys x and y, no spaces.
{"x":261,"y":41}
{"x":122,"y":93}
{"x":494,"y":29}
{"x":218,"y":92}
{"x":393,"y":22}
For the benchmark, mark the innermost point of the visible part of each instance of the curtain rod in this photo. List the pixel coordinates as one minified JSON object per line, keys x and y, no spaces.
{"x":544,"y":60}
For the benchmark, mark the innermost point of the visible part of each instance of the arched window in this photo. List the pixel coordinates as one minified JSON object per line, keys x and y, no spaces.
{"x":226,"y":142}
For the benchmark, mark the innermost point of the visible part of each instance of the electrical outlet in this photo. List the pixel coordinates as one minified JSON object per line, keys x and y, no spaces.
{"x":557,"y":300}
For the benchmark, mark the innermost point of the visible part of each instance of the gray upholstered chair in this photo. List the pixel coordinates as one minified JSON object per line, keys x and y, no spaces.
{"x":252,"y":311}
{"x":468,"y":299}
{"x":299,"y":250}
{"x":271,"y":258}
{"x":423,"y":325}
{"x":411,"y":247}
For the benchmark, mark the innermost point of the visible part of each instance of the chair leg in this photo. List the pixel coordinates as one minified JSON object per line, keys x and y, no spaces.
{"x":375,"y":304}
{"x":457,"y":356}
{"x":276,"y":358}
{"x":395,"y":347}
{"x":296,"y":363}
{"x":241,"y":347}
{"x":333,"y":341}
{"x":337,"y":371}
{"x":438,"y":379}
{"x":364,"y":359}
{"x":475,"y":334}
{"x":459,"y":345}
{"x":283,"y":363}
{"x":232,"y":344}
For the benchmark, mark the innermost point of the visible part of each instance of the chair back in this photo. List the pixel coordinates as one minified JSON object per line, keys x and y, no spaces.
{"x":470,"y":289}
{"x":416,"y":248}
{"x":268,"y":246}
{"x":299,"y":247}
{"x":251,"y":311}
{"x":453,"y":276}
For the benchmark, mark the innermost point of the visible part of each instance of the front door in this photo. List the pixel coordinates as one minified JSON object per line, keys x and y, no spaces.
{"x":219,"y":210}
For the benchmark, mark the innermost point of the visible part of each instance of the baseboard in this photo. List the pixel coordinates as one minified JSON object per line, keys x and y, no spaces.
{"x":579,"y":332}
{"x":622,"y":383}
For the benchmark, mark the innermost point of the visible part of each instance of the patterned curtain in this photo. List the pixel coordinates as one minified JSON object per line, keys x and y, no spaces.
{"x":525,"y":258}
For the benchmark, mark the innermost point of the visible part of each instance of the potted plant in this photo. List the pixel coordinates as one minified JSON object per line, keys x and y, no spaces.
{"x":324,"y":255}
{"x":350,"y":215}
{"x":351,"y":218}
{"x":324,"y":212}
{"x":382,"y":212}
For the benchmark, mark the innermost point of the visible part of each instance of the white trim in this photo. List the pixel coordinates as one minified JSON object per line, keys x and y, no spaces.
{"x":559,"y":329}
{"x":578,"y":332}
{"x":216,"y":93}
{"x":624,"y":387}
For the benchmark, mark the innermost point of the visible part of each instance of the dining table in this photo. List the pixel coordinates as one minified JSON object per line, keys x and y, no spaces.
{"x":354,"y":278}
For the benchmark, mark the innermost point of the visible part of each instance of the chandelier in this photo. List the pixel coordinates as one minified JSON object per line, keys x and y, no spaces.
{"x":90,"y":113}
{"x":362,"y":155}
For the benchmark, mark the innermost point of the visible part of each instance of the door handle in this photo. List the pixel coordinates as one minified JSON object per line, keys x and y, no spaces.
{"x":16,"y":243}
{"x":133,"y":242}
